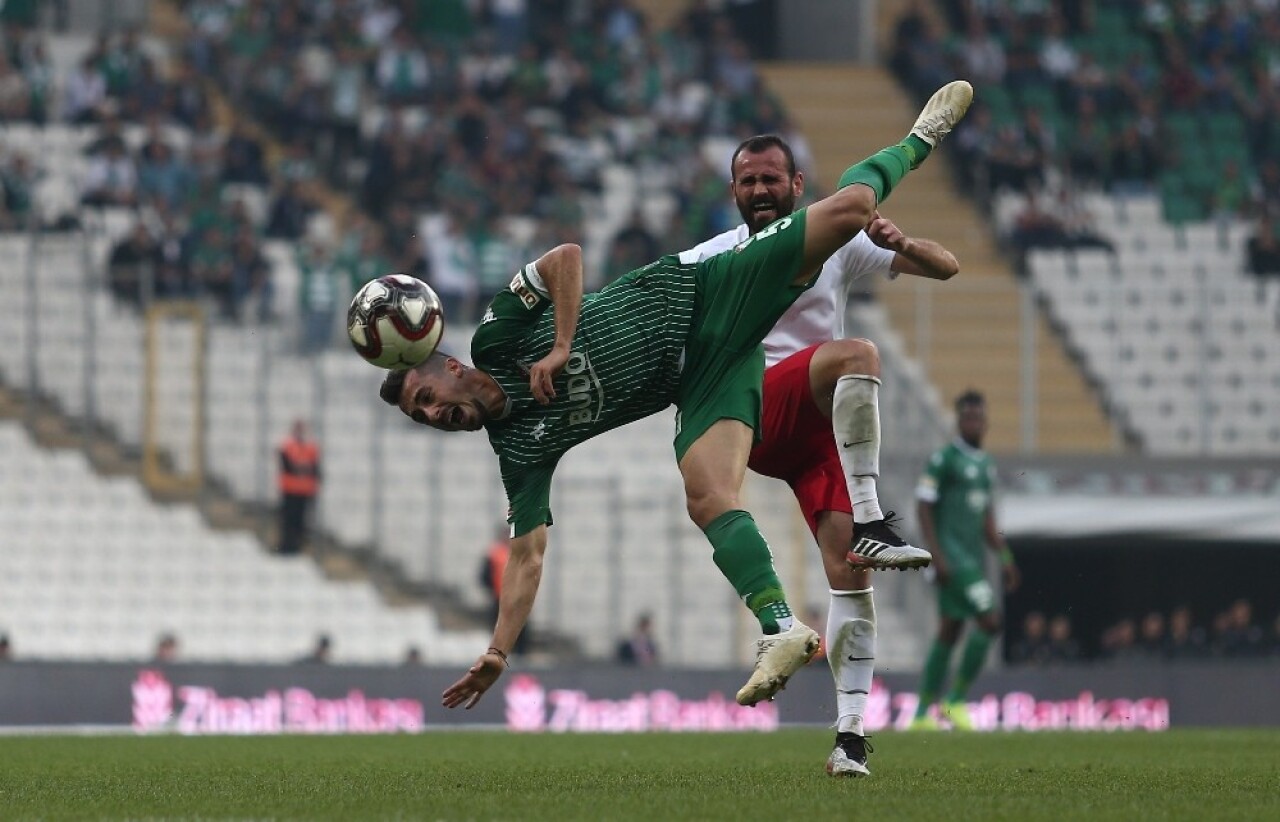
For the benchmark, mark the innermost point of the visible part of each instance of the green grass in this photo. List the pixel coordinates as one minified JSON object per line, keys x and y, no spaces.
{"x":1214,"y":775}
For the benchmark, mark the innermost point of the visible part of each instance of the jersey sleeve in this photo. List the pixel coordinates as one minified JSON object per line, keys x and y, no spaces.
{"x":860,"y":256}
{"x":528,"y":490}
{"x":511,"y":313}
{"x":930,"y":481}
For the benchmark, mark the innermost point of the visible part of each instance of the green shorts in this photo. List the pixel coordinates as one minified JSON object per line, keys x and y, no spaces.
{"x":741,"y":295}
{"x":966,"y":595}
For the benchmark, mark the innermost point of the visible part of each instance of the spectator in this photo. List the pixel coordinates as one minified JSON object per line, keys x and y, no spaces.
{"x":172,"y":271}
{"x":1264,"y":249}
{"x":1134,"y":161}
{"x":15,"y":93}
{"x":250,"y":276}
{"x":166,"y":648}
{"x":6,"y":649}
{"x":639,"y":648}
{"x":1032,"y":648}
{"x":165,"y":176}
{"x":412,"y":657}
{"x":402,"y":70}
{"x":1185,"y":640}
{"x":321,"y":291}
{"x":1034,"y":227}
{"x":111,"y":178}
{"x":1062,"y":645}
{"x":1151,"y":636}
{"x":18,"y":180}
{"x":1241,"y":637}
{"x":242,"y":157}
{"x":300,"y":475}
{"x":453,"y":265}
{"x":85,"y":93}
{"x":632,"y":247}
{"x":1119,"y":641}
{"x":289,"y":212}
{"x":130,"y":268}
{"x":320,"y":652}
{"x":981,"y":54}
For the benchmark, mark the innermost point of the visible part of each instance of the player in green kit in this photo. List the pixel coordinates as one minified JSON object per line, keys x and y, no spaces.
{"x":957,"y":519}
{"x":554,"y":367}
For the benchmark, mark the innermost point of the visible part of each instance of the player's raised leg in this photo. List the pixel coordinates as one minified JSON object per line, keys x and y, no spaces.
{"x":834,"y":220}
{"x":845,"y":376}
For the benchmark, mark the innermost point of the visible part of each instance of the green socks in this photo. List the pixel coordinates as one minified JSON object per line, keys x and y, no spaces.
{"x":886,"y":168}
{"x":975,"y":655}
{"x":742,"y":555}
{"x":935,"y":673}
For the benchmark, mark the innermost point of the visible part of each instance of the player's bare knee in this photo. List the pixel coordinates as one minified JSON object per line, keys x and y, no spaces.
{"x":857,"y":356}
{"x":704,"y":506}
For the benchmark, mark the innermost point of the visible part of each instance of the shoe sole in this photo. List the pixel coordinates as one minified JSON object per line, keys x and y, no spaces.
{"x":770,"y":687}
{"x":848,"y":773}
{"x":861,"y":563}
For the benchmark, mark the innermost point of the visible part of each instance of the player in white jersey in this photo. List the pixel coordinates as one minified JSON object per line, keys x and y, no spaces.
{"x":821,"y":389}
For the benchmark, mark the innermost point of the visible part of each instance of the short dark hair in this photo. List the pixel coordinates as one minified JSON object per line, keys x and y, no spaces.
{"x":970,"y":397}
{"x":764,"y":142}
{"x":393,"y":383}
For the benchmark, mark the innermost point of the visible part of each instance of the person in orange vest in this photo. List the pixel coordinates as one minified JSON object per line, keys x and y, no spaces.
{"x":299,"y":484}
{"x":492,"y":567}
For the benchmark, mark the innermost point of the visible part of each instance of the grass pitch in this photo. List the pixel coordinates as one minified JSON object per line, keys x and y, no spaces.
{"x":1216,"y":775}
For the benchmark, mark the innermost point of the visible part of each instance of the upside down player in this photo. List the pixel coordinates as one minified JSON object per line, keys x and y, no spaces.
{"x":820,"y":389}
{"x":687,"y":333}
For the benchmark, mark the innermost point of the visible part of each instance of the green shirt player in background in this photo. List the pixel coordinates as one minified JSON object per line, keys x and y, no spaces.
{"x":956,"y":498}
{"x":553,"y":368}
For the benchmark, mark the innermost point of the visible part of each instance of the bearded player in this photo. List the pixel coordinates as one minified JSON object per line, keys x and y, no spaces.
{"x":821,"y":427}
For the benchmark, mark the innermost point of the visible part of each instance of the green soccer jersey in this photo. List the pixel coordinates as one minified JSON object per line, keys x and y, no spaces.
{"x":959,"y":481}
{"x":624,"y":364}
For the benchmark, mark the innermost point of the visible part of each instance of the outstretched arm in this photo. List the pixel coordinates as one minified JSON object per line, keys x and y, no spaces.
{"x":519,"y":590}
{"x":920,"y":258}
{"x":561,"y":272}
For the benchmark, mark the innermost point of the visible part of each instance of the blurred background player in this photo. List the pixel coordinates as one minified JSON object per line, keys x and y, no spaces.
{"x":522,"y":350}
{"x":821,"y":389}
{"x":957,"y":521}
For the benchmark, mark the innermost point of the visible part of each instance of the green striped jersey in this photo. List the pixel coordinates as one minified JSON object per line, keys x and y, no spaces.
{"x":624,"y":365}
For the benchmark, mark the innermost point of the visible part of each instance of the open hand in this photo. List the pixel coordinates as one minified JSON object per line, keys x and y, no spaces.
{"x":544,"y":372}
{"x":478,"y":679}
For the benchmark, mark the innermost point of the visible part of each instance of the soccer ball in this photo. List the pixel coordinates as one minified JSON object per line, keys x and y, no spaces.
{"x":395,"y":321}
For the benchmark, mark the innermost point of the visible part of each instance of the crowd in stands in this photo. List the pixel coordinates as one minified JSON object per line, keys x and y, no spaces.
{"x":1129,"y":96}
{"x":1233,"y":634}
{"x":488,"y":113}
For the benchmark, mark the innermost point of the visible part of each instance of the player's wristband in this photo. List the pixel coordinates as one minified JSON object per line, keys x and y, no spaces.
{"x":500,"y":654}
{"x":1006,"y":556}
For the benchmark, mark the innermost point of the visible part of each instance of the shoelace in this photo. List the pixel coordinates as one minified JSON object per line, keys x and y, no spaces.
{"x":936,"y":126}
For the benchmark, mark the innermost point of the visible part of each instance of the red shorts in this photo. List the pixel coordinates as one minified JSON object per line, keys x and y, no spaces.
{"x":797,"y":445}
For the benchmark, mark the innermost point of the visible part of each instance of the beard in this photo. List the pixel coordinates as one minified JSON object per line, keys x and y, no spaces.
{"x":759,"y":212}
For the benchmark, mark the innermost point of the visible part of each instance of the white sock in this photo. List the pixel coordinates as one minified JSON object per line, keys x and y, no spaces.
{"x":851,"y":653}
{"x":855,"y":421}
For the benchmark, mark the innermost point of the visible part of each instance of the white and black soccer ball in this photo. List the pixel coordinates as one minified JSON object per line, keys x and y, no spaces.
{"x":395,"y":321}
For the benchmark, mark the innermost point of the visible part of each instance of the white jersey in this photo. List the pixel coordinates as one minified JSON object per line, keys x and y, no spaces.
{"x":818,"y":316}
